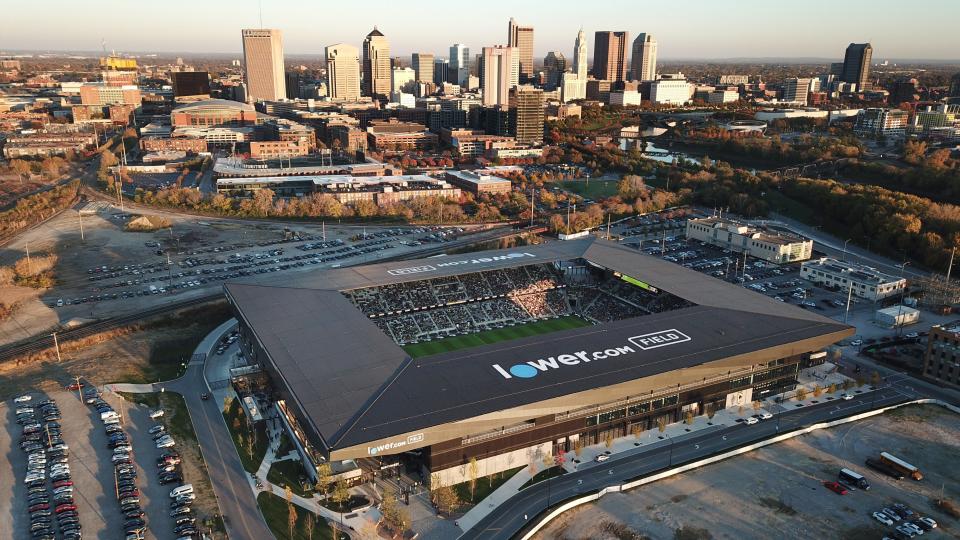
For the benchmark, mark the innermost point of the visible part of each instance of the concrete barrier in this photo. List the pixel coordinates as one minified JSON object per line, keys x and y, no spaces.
{"x":553,"y":514}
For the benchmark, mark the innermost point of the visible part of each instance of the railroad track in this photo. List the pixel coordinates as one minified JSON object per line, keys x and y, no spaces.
{"x":72,"y":334}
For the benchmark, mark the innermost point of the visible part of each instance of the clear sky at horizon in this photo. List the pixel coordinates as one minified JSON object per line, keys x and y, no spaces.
{"x":698,"y":29}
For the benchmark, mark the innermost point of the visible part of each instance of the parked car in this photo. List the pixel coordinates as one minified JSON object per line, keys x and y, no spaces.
{"x":835,"y":487}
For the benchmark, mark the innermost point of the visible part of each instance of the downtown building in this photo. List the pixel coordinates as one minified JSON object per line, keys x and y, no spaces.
{"x":376,"y":66}
{"x":521,"y":38}
{"x":343,"y":72}
{"x":263,"y":64}
{"x":644,"y":66}
{"x":348,"y":353}
{"x":610,"y":56}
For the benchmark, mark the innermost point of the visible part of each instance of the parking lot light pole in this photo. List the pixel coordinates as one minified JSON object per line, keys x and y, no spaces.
{"x":845,"y":242}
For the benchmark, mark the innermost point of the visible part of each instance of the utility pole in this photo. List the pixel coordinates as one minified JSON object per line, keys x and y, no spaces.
{"x":29,"y":265}
{"x":323,"y":227}
{"x":950,"y":266}
{"x":532,"y":198}
{"x":79,"y":388}
{"x":849,"y":297}
{"x":80,"y":215}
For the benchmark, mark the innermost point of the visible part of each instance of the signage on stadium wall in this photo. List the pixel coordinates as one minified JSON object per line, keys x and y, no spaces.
{"x":460,"y":262}
{"x":643,"y":342}
{"x":394,"y":445}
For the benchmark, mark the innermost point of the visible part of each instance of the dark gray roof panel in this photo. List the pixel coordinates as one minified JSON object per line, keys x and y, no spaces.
{"x":357,"y":385}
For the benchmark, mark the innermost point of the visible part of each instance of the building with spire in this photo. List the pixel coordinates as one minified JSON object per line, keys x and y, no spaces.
{"x":574,"y":85}
{"x":521,"y":37}
{"x":376,"y":65}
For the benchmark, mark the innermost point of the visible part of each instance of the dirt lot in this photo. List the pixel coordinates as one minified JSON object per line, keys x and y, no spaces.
{"x":776,"y":492}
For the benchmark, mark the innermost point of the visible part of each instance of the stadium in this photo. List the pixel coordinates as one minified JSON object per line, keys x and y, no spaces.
{"x":508,"y":356}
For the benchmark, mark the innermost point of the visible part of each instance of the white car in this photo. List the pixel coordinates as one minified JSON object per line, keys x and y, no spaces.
{"x":906,"y":530}
{"x":601,"y":458}
{"x":156,"y":414}
{"x":846,"y":397}
{"x":23,"y":399}
{"x":882,"y":518}
{"x":911,"y":335}
{"x":166,"y":443}
{"x":856,"y":343}
{"x":765,"y":415}
{"x":916,"y":530}
{"x":929,"y":521}
{"x":750,"y":421}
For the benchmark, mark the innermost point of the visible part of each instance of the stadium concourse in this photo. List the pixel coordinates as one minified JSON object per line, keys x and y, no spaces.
{"x":510,"y":356}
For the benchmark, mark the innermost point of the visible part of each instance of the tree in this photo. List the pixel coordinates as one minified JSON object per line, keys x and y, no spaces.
{"x":847,"y":384}
{"x":662,"y":424}
{"x":473,"y":469}
{"x":817,"y":390}
{"x":309,"y":523}
{"x":578,"y":447}
{"x":444,"y":497}
{"x":390,"y":510}
{"x":324,"y":475}
{"x":636,"y":430}
{"x":757,"y":405}
{"x":608,"y":440}
{"x":21,"y":167}
{"x":801,"y":394}
{"x":341,"y":494}
{"x":875,"y":378}
{"x":291,"y":511}
{"x":688,"y":417}
{"x":832,"y":388}
{"x":711,"y":411}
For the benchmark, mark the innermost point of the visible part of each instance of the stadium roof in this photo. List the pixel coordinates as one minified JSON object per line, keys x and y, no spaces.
{"x":356,"y":385}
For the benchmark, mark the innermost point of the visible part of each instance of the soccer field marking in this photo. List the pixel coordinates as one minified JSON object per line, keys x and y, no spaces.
{"x":488,"y":337}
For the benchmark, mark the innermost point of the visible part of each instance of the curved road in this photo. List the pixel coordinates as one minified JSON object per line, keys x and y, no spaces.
{"x":523,"y":509}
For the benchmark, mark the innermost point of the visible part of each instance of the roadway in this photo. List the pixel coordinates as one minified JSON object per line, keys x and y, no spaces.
{"x":523,"y":509}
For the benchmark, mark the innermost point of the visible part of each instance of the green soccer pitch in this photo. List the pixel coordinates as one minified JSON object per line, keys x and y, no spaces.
{"x":487,"y":337}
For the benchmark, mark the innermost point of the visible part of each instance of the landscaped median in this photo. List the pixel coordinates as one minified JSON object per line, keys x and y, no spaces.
{"x":251,"y":444}
{"x":282,"y":517}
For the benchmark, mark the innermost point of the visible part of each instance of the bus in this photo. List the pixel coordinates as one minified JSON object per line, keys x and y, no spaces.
{"x":901,"y":465}
{"x":854,"y":479}
{"x":878,"y":465}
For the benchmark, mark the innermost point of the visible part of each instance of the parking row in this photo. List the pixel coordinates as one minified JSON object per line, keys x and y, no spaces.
{"x":124,"y":471}
{"x":52,"y":508}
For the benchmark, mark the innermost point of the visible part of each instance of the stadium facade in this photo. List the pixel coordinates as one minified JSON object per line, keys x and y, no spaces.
{"x":345,"y":352}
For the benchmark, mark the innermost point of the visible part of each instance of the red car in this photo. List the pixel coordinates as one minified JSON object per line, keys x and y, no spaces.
{"x":835,"y":487}
{"x":74,"y":386}
{"x":62,"y":483}
{"x":65,"y":508}
{"x":133,"y":493}
{"x":42,"y":506}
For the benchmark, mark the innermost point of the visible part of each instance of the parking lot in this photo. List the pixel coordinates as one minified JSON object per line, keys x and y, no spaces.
{"x":780,"y":282}
{"x":92,"y":471}
{"x":778,"y":491}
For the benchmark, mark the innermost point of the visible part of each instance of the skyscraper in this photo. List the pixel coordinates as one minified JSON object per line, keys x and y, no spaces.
{"x":441,"y":71}
{"x":459,"y":64}
{"x":554,"y":64}
{"x":521,"y":37}
{"x":190,"y":83}
{"x":376,"y":65}
{"x":263,"y":64}
{"x":526,"y":114}
{"x":423,"y":66}
{"x":955,"y":86}
{"x":574,"y":85}
{"x":644,"y":58}
{"x":610,"y":55}
{"x":497,"y":65}
{"x":580,"y":55}
{"x":343,"y":72}
{"x":856,"y":65}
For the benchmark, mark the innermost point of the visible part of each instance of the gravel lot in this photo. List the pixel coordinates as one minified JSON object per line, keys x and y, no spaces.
{"x":778,"y":488}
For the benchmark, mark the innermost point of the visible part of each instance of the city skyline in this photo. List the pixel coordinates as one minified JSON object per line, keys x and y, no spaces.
{"x":695,"y":38}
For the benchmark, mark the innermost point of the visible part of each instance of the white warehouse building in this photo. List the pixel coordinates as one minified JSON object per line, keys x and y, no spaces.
{"x":670,"y":89}
{"x":757,"y":241}
{"x":865,"y":281}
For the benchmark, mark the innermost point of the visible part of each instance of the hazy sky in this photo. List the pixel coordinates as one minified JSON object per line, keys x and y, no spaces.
{"x":684,"y":29}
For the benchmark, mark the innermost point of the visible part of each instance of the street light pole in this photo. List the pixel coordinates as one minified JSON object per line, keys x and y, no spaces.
{"x":845,"y":242}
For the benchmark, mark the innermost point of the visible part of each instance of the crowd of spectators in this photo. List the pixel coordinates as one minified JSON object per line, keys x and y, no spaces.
{"x":436,"y":308}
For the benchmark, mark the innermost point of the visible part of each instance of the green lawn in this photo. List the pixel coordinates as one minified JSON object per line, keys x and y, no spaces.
{"x":276,"y":514}
{"x":288,"y":473}
{"x":416,"y":350}
{"x":485,"y":486}
{"x":592,"y":189}
{"x":235,"y":417}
